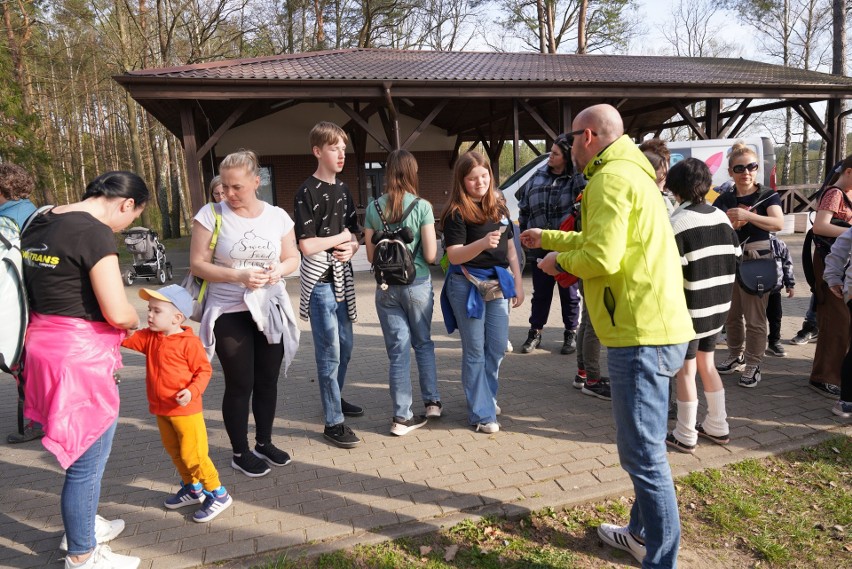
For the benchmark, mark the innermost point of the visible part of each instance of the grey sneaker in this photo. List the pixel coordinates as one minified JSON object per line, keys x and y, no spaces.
{"x":402,"y":426}
{"x":751,"y":376}
{"x":842,"y":409}
{"x":731,"y":365}
{"x":825,"y":389}
{"x":569,"y":343}
{"x":776,"y":350}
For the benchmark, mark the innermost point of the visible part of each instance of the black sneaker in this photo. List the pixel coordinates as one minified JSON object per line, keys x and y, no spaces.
{"x":402,"y":426}
{"x":350,"y":410}
{"x":433,"y":409}
{"x":721,"y":440}
{"x":569,"y":344}
{"x":804,"y":336}
{"x":776,"y":349}
{"x":672,"y":441}
{"x":599,"y":389}
{"x":825,"y":389}
{"x":250,"y":465}
{"x":533,"y":341}
{"x":271,"y":454}
{"x":342,"y":436}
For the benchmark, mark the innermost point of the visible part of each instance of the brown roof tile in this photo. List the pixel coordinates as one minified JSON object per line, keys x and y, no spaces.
{"x":417,"y":66}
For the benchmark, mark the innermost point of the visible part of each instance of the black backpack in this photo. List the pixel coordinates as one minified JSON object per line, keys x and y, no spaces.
{"x":393,"y":262}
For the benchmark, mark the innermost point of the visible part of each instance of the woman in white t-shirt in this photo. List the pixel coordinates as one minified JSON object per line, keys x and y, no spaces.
{"x":247,"y":319}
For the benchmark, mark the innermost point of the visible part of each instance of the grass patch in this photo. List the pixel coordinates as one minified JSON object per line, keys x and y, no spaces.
{"x":789,"y":511}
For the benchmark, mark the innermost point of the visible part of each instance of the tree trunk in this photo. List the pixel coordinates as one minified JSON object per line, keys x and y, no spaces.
{"x":838,"y":61}
{"x":788,"y":147}
{"x":581,"y":27}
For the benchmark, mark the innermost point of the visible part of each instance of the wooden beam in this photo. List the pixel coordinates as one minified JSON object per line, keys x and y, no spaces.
{"x":363,"y":124}
{"x":687,"y":116}
{"x":537,"y":118}
{"x":484,"y":140}
{"x":455,"y":153}
{"x":533,"y":147}
{"x":516,"y":144}
{"x":197,"y":195}
{"x":223,"y":128}
{"x":806,"y":111}
{"x":368,"y":111}
{"x":733,"y":118}
{"x":565,"y":112}
{"x":393,"y":136}
{"x":424,"y":124}
{"x":711,"y":117}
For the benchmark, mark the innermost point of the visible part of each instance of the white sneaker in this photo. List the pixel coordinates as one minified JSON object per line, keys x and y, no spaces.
{"x":103,"y":558}
{"x":105,"y":530}
{"x":488,"y":427}
{"x":619,"y":537}
{"x":509,"y":347}
{"x":497,"y":410}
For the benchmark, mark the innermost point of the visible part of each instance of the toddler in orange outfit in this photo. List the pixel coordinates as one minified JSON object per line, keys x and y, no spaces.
{"x":177,"y":372}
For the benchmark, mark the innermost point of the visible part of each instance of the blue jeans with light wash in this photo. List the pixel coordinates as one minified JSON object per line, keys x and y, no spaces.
{"x":82,"y":492}
{"x":483,"y":345}
{"x":405,"y":313}
{"x":639,"y":378}
{"x":332,"y":333}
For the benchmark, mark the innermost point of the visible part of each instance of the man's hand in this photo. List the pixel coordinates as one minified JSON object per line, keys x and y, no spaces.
{"x":791,"y":292}
{"x":183,"y":397}
{"x":836,"y":290}
{"x":344,"y":251}
{"x":548,"y":264}
{"x":531,"y":238}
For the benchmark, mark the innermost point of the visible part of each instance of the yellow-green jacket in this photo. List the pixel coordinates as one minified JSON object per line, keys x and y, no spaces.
{"x":626,"y":253}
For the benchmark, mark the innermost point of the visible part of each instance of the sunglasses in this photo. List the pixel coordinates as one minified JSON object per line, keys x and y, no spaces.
{"x":740,"y":168}
{"x":567,"y":139}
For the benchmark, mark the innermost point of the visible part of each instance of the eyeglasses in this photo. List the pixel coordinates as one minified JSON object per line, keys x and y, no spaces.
{"x":568,"y":137}
{"x":740,"y":168}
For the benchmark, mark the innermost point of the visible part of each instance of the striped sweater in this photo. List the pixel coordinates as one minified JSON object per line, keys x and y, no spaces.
{"x":709,"y":253}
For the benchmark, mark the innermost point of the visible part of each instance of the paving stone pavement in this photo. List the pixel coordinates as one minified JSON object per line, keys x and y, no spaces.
{"x":556,"y":447}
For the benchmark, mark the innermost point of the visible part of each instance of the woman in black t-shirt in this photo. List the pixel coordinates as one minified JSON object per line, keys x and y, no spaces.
{"x":79,"y":314}
{"x":756,"y":214}
{"x":480,"y":248}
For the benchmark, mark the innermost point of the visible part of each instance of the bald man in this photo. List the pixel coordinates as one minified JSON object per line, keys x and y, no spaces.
{"x":626,"y":255}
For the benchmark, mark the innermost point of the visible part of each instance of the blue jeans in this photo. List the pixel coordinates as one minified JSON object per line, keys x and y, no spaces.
{"x":639,"y":378}
{"x":405,"y":313}
{"x":332,"y":333}
{"x":483,"y":345}
{"x":81,"y":493}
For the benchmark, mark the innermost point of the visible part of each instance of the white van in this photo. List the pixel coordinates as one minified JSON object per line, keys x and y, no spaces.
{"x":714,"y":153}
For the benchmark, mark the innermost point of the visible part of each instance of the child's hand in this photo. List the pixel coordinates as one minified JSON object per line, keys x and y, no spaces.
{"x":791,"y":292}
{"x":183,"y":397}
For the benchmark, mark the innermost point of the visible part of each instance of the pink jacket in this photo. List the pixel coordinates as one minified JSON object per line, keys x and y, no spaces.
{"x":70,"y":387}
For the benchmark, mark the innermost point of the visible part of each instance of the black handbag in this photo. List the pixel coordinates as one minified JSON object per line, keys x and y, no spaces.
{"x":759,"y":276}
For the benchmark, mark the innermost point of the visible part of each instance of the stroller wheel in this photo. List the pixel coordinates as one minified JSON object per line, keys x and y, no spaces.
{"x":128,"y":278}
{"x":161,"y":276}
{"x":169,"y":273}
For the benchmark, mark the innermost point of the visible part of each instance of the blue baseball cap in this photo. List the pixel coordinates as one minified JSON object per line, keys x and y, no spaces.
{"x":174,"y":294}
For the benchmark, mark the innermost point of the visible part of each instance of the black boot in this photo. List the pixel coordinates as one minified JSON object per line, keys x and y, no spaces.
{"x":533,"y":341}
{"x":569,"y":344}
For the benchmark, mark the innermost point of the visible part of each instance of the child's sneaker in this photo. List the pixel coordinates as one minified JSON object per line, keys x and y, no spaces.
{"x":402,"y":426}
{"x":731,"y":365}
{"x":433,"y":409}
{"x":250,"y":465}
{"x":103,"y":558}
{"x":271,"y":454}
{"x":751,"y":376}
{"x":719,"y":440}
{"x":214,"y":504}
{"x":622,"y":539}
{"x":188,"y":495}
{"x":842,"y":409}
{"x":579,"y":379}
{"x":105,"y":530}
{"x":776,"y":349}
{"x":673,"y":442}
{"x":599,"y":389}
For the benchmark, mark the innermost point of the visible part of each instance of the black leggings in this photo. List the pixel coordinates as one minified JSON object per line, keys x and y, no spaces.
{"x":250,"y":364}
{"x":846,"y":369}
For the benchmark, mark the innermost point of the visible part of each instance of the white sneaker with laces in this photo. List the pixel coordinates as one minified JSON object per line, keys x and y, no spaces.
{"x":619,"y":537}
{"x":489,"y":428}
{"x":751,"y":376}
{"x":103,"y":558}
{"x":105,"y":530}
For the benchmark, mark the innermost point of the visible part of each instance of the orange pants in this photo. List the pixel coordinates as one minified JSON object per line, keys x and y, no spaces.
{"x":185,"y":439}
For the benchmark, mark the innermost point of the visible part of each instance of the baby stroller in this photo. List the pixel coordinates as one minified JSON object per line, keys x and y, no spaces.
{"x":149,"y":256}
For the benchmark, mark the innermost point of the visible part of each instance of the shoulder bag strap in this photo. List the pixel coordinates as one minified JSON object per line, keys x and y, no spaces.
{"x":217,"y":225}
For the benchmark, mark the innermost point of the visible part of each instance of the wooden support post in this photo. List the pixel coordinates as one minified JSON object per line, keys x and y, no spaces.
{"x":362,"y":122}
{"x":197,"y":197}
{"x":690,"y":120}
{"x":516,"y":148}
{"x":711,"y":123}
{"x":537,"y":118}
{"x":223,"y":128}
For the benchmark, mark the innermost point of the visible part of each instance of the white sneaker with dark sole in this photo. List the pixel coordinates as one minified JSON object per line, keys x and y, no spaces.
{"x":620,"y":538}
{"x":404,"y":426}
{"x":105,"y":530}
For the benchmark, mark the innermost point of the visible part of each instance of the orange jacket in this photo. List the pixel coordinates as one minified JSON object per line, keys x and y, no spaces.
{"x":173,"y":363}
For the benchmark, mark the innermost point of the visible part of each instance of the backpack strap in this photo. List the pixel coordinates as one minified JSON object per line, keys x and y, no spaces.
{"x":405,"y":214}
{"x":35,"y":214}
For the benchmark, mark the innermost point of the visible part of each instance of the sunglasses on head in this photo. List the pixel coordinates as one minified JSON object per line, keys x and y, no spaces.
{"x":740,"y":168}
